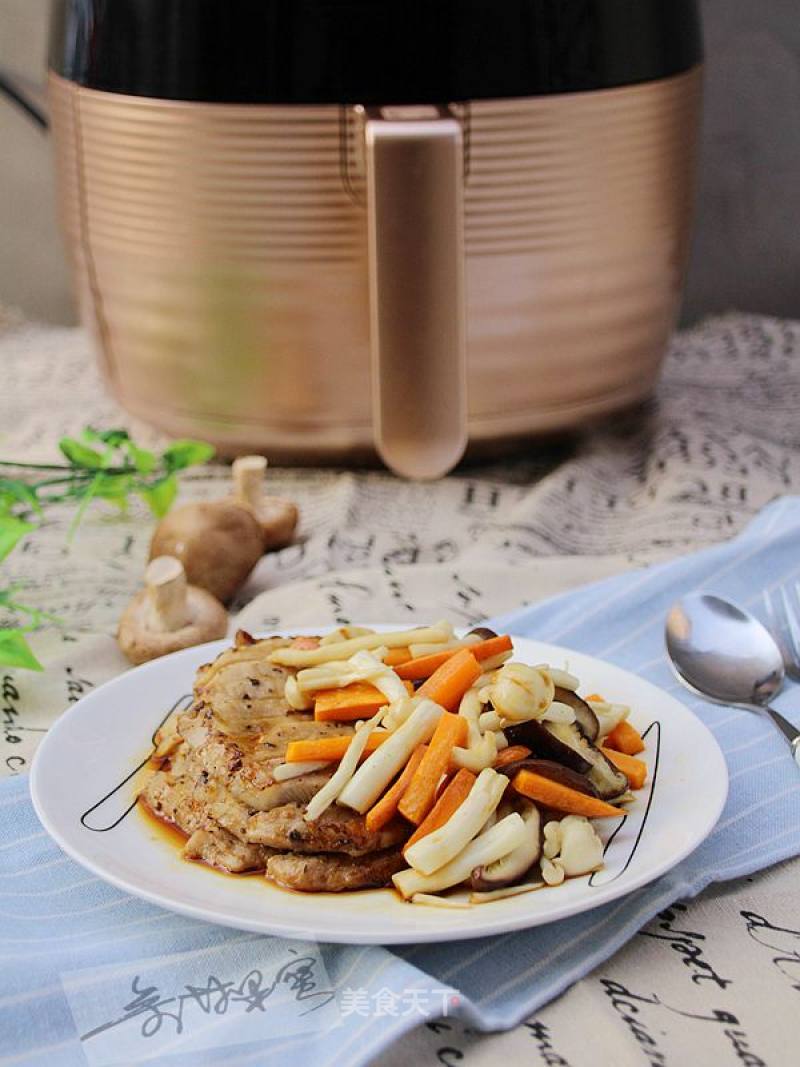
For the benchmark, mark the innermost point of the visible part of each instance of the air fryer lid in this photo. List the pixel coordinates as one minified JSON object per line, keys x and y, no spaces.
{"x":369,"y":51}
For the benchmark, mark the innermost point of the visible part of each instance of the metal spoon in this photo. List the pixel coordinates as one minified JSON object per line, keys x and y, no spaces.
{"x":723,"y":653}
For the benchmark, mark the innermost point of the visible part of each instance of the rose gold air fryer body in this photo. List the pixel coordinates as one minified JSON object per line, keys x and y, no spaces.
{"x":317,"y":281}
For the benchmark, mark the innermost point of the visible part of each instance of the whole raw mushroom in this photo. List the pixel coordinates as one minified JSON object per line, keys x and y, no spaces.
{"x":218,"y":543}
{"x":169,"y":614}
{"x":277,"y":515}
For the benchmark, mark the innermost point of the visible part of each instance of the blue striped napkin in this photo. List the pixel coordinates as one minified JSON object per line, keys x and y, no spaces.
{"x":68,"y":941}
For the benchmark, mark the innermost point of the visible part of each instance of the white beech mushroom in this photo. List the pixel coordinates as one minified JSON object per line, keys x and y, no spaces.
{"x":511,"y":867}
{"x":277,"y":515}
{"x":169,"y":614}
{"x":571,"y":847}
{"x":217,"y":542}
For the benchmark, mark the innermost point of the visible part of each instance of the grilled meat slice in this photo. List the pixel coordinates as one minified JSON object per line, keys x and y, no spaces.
{"x":182,"y":801}
{"x":218,"y":848}
{"x":242,"y":688}
{"x":297,"y":726}
{"x":192,"y":805}
{"x":215,"y":783}
{"x":229,"y":814}
{"x":196,"y":726}
{"x":243,"y":768}
{"x":334,"y":873}
{"x":199,"y":726}
{"x":294,"y":790}
{"x":338,"y":829}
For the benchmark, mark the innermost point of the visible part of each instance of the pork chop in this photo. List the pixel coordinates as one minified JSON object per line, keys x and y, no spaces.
{"x":219,"y":848}
{"x":243,"y":688}
{"x":243,"y":766}
{"x":338,"y":829}
{"x":334,"y":873}
{"x":215,"y":781}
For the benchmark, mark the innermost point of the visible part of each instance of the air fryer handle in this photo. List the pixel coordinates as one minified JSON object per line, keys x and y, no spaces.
{"x":414,"y":164}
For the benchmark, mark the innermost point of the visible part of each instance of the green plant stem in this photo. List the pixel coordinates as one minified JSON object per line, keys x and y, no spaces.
{"x":129,"y":469}
{"x":69,"y":480}
{"x":36,"y":466}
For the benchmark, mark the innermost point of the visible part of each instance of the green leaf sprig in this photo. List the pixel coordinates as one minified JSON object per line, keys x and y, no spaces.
{"x":102,"y":465}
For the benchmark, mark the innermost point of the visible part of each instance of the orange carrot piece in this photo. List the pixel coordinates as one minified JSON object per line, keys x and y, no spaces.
{"x":625,"y":738}
{"x":360,"y":700}
{"x":329,"y":748}
{"x":634,"y":769}
{"x":396,"y":656}
{"x":357,"y":701}
{"x":511,"y":755}
{"x":445,"y":781}
{"x":597,"y":697}
{"x":448,"y":683}
{"x":561,"y":797}
{"x":305,"y":642}
{"x":418,"y":799}
{"x":424,"y":666}
{"x":453,"y":796}
{"x":386,"y":808}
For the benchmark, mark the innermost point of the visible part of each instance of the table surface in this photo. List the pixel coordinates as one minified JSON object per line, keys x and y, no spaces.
{"x":710,"y":980}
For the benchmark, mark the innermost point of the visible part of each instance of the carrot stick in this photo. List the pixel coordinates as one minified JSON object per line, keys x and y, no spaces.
{"x":360,"y":700}
{"x":625,"y":738}
{"x":561,"y":797}
{"x":424,"y":666}
{"x":448,"y":683}
{"x":386,"y":808}
{"x":455,"y":793}
{"x":511,"y":755}
{"x":635,"y":770}
{"x":329,"y":748}
{"x":444,"y":782}
{"x":395,"y":656}
{"x":418,"y":799}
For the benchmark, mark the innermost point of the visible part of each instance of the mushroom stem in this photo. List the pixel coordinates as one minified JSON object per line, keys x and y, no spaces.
{"x":248,"y":480}
{"x":165,"y":579}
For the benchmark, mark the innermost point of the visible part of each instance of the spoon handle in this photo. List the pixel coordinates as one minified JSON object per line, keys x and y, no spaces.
{"x":791,"y":733}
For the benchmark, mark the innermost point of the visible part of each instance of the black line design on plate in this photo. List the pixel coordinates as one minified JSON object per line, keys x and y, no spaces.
{"x":181,"y":704}
{"x":656,"y":727}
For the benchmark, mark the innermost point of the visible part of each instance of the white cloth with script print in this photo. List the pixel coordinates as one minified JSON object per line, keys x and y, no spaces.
{"x":714,"y":982}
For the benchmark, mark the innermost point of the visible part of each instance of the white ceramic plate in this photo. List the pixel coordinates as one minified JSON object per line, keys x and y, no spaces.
{"x":91,"y":765}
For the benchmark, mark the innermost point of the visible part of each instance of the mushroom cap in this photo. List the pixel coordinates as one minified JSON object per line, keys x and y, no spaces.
{"x":278,"y":518}
{"x":218,"y":543}
{"x":208,"y":620}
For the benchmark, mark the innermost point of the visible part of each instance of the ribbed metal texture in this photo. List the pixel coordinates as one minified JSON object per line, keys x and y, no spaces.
{"x":220,"y":255}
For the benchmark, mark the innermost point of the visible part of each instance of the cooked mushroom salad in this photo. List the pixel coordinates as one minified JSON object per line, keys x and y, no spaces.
{"x":415,"y":759}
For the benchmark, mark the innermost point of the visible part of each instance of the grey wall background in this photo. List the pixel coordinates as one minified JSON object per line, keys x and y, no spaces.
{"x":746,"y":252}
{"x":33,"y":276}
{"x":747,"y":242}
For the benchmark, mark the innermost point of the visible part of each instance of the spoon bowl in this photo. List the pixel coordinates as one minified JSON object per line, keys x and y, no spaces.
{"x":722,"y":651}
{"x":725,"y":654}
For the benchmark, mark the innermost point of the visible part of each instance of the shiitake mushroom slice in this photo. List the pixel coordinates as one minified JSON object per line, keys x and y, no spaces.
{"x":564,"y":743}
{"x":538,"y":738}
{"x":587,"y":721}
{"x":483,"y":632}
{"x":555,"y":772}
{"x":604,"y":776}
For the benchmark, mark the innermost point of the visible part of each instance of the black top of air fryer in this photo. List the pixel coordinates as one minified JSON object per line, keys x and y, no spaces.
{"x":369,"y":51}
